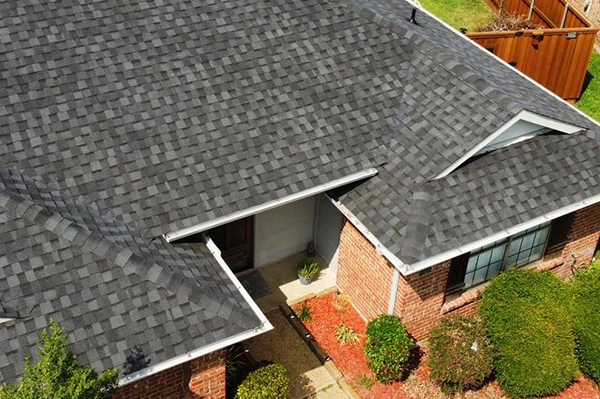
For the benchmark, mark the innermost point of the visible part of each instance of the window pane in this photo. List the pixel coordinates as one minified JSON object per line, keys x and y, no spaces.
{"x":497,"y":254}
{"x":541,"y":236}
{"x":523,"y":258}
{"x":510,"y":262}
{"x":515,"y":246}
{"x":493,"y":270}
{"x":468,"y":279}
{"x":484,"y":264}
{"x":527,"y":241}
{"x":480,"y":275}
{"x":472,"y":263}
{"x":484,"y":259}
{"x":537,"y":252}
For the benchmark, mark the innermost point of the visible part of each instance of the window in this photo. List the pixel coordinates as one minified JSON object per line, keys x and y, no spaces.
{"x":519,"y":250}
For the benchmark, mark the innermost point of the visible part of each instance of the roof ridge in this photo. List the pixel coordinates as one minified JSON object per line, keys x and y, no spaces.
{"x":122,"y":256}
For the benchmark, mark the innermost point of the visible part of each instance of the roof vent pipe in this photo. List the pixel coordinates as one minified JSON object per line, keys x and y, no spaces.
{"x":413,"y":16}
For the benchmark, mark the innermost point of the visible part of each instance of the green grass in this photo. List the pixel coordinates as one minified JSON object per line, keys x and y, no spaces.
{"x":590,"y":100}
{"x":460,"y":13}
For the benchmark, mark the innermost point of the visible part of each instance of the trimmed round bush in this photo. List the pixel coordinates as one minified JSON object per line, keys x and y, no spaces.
{"x":586,"y":310}
{"x":461,"y":355}
{"x":268,"y":382}
{"x":527,"y":315}
{"x":387,"y":348}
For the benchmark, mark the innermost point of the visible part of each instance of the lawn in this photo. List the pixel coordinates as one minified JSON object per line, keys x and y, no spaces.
{"x":460,"y":13}
{"x":590,"y":100}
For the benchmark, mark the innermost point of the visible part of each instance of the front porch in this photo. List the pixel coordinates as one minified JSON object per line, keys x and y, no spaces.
{"x":281,"y":278}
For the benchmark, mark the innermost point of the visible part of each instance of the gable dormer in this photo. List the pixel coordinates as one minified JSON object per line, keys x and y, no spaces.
{"x":523,"y":126}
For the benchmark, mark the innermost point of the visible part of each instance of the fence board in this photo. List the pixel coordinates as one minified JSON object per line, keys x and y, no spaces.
{"x":551,"y":56}
{"x":547,"y":56}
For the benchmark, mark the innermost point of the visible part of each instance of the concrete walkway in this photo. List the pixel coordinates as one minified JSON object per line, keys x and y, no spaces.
{"x":309,"y":378}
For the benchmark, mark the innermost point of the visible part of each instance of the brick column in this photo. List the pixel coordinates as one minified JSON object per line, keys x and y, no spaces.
{"x":208,"y":376}
{"x":202,"y":378}
{"x":420,"y":300}
{"x":583,"y":239}
{"x":363,"y":274}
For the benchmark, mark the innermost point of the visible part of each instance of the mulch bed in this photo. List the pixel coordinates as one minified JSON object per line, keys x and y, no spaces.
{"x":330,"y":311}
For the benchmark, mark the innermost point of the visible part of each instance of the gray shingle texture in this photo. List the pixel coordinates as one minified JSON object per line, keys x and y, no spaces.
{"x":124,"y":120}
{"x":109,"y":287}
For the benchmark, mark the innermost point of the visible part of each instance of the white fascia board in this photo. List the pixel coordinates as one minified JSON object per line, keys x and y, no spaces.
{"x":525,"y":116}
{"x":506,"y":65}
{"x":379,"y":247}
{"x":175,"y":361}
{"x":434,"y":260}
{"x":212,"y":247}
{"x":176,"y":235}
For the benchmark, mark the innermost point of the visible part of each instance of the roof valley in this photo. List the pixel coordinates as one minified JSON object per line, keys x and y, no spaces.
{"x":103,"y":247}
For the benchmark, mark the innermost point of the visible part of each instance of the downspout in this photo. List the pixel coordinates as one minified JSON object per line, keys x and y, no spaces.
{"x":394,"y":291}
{"x":316,"y":220}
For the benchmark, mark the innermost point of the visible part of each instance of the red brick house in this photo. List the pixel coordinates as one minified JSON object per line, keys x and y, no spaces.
{"x":151,"y":150}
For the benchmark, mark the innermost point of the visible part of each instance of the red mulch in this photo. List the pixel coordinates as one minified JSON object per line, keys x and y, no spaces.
{"x":329,"y":311}
{"x":348,"y":358}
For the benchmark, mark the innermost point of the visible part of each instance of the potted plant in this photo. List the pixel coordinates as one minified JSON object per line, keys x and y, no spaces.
{"x":308,"y":270}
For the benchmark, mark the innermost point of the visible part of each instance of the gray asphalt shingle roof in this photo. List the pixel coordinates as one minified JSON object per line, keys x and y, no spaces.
{"x":455,"y":95}
{"x":172,"y":113}
{"x":123,"y":120}
{"x":110,"y":288}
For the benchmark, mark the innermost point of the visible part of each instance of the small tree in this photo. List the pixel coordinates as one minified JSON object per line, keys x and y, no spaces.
{"x":59,"y":375}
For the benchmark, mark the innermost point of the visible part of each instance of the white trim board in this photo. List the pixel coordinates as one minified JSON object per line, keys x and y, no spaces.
{"x":434,"y":260}
{"x":525,"y":116}
{"x":176,"y":235}
{"x":407,"y":270}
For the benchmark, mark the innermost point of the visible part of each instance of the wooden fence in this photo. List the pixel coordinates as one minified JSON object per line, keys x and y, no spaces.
{"x":557,"y":56}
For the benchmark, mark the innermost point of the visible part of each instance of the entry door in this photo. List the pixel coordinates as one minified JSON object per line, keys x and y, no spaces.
{"x":235,"y":240}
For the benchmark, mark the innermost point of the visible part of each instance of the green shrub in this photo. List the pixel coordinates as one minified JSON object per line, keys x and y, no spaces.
{"x":527,"y":315}
{"x":586,"y":310}
{"x":305,"y":313}
{"x":387,"y":348}
{"x":268,"y":382}
{"x":58,"y":374}
{"x":346,"y":335}
{"x":461,"y":355}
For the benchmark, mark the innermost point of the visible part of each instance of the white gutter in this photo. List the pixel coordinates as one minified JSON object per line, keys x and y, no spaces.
{"x":212,"y":247}
{"x":502,"y":62}
{"x":176,"y":235}
{"x":381,"y":249}
{"x":434,"y":260}
{"x":175,"y":361}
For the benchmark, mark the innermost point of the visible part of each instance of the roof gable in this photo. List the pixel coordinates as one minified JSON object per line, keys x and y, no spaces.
{"x":521,"y":127}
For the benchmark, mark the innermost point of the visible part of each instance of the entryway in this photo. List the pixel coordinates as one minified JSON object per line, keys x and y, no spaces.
{"x":235,"y":240}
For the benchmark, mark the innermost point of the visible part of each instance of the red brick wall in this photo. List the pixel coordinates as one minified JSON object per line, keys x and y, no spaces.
{"x":367,"y":277}
{"x":208,"y":377}
{"x":202,"y":378}
{"x":420,"y":300}
{"x":363,"y":274}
